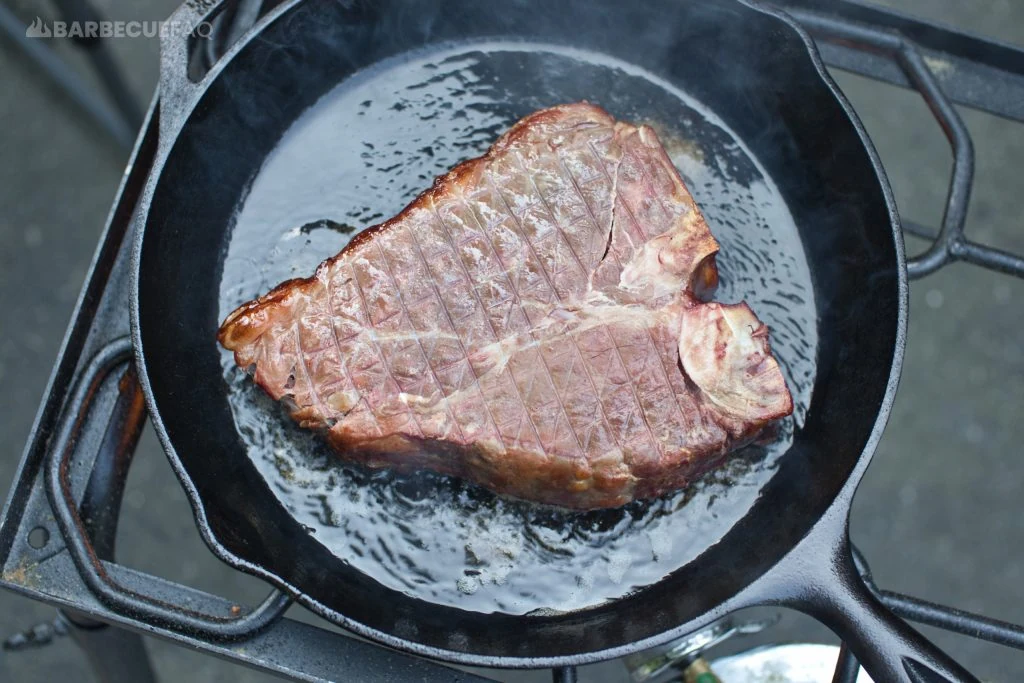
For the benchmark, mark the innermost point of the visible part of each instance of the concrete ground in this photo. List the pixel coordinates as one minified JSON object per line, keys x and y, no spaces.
{"x":938,"y":514}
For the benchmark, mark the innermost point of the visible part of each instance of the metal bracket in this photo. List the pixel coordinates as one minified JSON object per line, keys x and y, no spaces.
{"x":949,"y":243}
{"x":73,"y":528}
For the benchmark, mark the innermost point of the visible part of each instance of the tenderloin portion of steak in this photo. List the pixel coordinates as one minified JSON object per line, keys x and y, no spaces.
{"x":534,"y":323}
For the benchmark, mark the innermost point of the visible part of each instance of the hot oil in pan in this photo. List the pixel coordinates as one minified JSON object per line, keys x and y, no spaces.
{"x":358,"y":157}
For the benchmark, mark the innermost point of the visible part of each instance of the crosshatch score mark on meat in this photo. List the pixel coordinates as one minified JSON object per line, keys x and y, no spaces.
{"x":536,"y":322}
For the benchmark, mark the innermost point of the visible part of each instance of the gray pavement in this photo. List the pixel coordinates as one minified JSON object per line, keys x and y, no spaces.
{"x":939,"y":514}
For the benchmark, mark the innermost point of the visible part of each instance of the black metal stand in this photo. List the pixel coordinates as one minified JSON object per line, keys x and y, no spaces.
{"x":72,"y":475}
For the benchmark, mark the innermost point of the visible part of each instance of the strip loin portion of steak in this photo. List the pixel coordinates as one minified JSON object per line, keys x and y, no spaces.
{"x":534,"y":323}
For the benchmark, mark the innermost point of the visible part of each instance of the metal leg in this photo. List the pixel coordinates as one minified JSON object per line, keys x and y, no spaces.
{"x":115,"y":655}
{"x":847,"y":667}
{"x":564,"y":674}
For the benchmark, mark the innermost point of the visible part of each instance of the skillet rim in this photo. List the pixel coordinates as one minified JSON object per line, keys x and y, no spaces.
{"x":839,"y":507}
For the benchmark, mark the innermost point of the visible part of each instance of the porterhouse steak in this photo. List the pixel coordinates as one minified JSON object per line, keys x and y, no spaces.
{"x":535,"y":322}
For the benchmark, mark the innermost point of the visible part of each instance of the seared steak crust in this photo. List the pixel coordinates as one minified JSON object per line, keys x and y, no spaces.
{"x":533,"y":322}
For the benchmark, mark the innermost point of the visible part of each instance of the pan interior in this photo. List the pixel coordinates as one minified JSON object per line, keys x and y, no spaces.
{"x":356,"y":158}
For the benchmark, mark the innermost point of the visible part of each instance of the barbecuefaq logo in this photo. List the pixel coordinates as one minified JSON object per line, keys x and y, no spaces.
{"x":116,"y":29}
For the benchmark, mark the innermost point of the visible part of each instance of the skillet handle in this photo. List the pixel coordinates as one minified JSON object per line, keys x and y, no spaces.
{"x":887,"y":647}
{"x":189,"y":23}
{"x":193,"y":39}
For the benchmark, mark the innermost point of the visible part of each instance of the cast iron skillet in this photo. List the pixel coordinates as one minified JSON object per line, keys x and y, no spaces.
{"x":748,"y":64}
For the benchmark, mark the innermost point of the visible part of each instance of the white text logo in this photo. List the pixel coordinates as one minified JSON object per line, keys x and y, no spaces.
{"x":116,"y":29}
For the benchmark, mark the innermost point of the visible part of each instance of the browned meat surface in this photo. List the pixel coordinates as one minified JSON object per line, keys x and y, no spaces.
{"x":533,"y":323}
